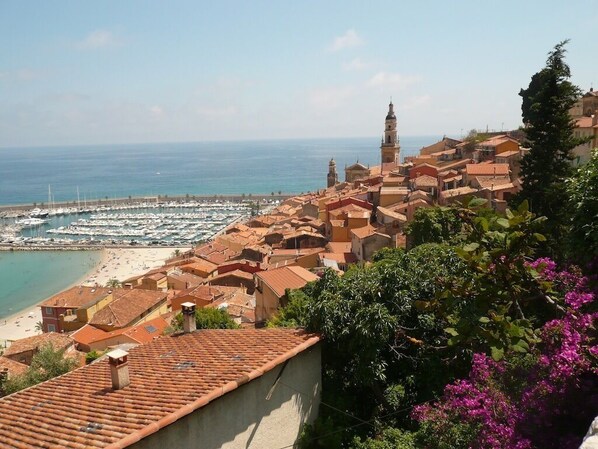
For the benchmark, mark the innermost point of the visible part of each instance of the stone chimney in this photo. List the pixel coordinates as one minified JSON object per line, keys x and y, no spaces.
{"x":119,"y":369}
{"x":188,"y":317}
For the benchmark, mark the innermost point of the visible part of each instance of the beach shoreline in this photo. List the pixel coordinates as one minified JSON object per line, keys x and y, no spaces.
{"x":114,"y":263}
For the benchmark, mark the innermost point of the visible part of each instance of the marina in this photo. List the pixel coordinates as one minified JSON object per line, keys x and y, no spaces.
{"x":171,"y":223}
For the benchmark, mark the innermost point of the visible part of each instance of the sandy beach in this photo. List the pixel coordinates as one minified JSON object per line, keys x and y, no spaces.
{"x":116,"y":263}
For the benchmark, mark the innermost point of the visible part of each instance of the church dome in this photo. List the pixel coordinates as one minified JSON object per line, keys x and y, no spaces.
{"x":391,"y":112}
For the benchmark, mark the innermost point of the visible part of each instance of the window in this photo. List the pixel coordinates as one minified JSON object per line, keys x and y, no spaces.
{"x":49,"y":311}
{"x":51,"y":328}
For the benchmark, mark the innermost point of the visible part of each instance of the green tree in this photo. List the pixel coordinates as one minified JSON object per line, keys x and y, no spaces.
{"x":46,"y":364}
{"x":433,"y":225}
{"x":549,"y":130}
{"x":113,"y":283}
{"x":583,"y":193}
{"x":207,"y":318}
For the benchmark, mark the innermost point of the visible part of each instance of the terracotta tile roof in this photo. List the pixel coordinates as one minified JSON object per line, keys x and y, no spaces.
{"x":339,"y":257}
{"x":339,"y":247}
{"x":200,"y":265}
{"x":171,"y":377}
{"x":425,"y":181}
{"x":156,"y":276}
{"x":280,"y":279}
{"x":486,"y":182}
{"x":58,"y":341}
{"x":487,"y":169}
{"x":127,"y":306}
{"x":394,"y":190}
{"x":584,"y":122}
{"x":509,"y":153}
{"x":453,"y":178}
{"x":496,"y":140}
{"x":76,"y":297}
{"x":392,"y":214}
{"x":458,"y":192}
{"x":234,"y":273}
{"x":12,"y":367}
{"x":186,"y":277}
{"x":142,"y":333}
{"x":364,"y":232}
{"x":89,"y":334}
{"x":359,"y":214}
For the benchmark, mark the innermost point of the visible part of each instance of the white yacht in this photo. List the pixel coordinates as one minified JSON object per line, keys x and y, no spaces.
{"x":31,"y":222}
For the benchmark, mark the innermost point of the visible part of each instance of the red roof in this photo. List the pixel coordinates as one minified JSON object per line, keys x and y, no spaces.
{"x":170,"y":377}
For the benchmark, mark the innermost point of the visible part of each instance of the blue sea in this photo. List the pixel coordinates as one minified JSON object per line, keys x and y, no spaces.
{"x":117,"y":171}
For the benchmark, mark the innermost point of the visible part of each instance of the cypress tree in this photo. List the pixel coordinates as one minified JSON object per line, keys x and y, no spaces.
{"x":549,"y":129}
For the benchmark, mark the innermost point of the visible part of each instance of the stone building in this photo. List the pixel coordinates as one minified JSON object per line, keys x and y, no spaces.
{"x":332,"y":174}
{"x":390,"y":148}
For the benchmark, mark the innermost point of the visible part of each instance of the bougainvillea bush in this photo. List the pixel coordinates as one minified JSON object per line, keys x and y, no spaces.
{"x":545,"y":399}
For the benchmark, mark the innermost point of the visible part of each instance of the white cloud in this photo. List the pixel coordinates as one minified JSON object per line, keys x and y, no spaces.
{"x":355,"y":64}
{"x":156,"y":111}
{"x":416,"y":102}
{"x":347,"y":40}
{"x":331,"y":97}
{"x":391,"y":81}
{"x":217,"y":111}
{"x":98,"y":39}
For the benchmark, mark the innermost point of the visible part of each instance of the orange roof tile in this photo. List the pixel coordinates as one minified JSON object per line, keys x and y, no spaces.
{"x":76,"y":297}
{"x":339,"y":257}
{"x":425,"y":181}
{"x":200,"y":265}
{"x":170,"y":378}
{"x":127,"y":305}
{"x":58,"y":341}
{"x":487,"y":169}
{"x":12,"y":367}
{"x":364,"y":232}
{"x":339,"y":247}
{"x":279,"y":279}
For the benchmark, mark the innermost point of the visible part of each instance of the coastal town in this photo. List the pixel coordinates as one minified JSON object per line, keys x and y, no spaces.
{"x":221,"y":322}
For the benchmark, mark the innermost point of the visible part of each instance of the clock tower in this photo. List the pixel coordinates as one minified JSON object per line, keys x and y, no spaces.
{"x":390,"y":148}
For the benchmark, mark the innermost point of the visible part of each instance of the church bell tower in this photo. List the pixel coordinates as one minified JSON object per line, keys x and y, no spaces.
{"x":332,"y":174}
{"x":390,"y":148}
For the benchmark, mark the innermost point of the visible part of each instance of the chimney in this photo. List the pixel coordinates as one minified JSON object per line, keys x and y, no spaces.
{"x":188,"y":317}
{"x":119,"y":368}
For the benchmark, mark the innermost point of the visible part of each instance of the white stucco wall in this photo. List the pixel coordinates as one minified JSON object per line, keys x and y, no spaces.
{"x":244,"y":418}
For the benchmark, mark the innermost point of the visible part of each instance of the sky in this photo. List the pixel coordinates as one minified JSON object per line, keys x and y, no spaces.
{"x":77,"y":73}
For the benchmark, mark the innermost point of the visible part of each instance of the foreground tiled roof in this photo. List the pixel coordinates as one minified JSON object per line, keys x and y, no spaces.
{"x":76,"y":297}
{"x":58,"y":341}
{"x":170,"y":378}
